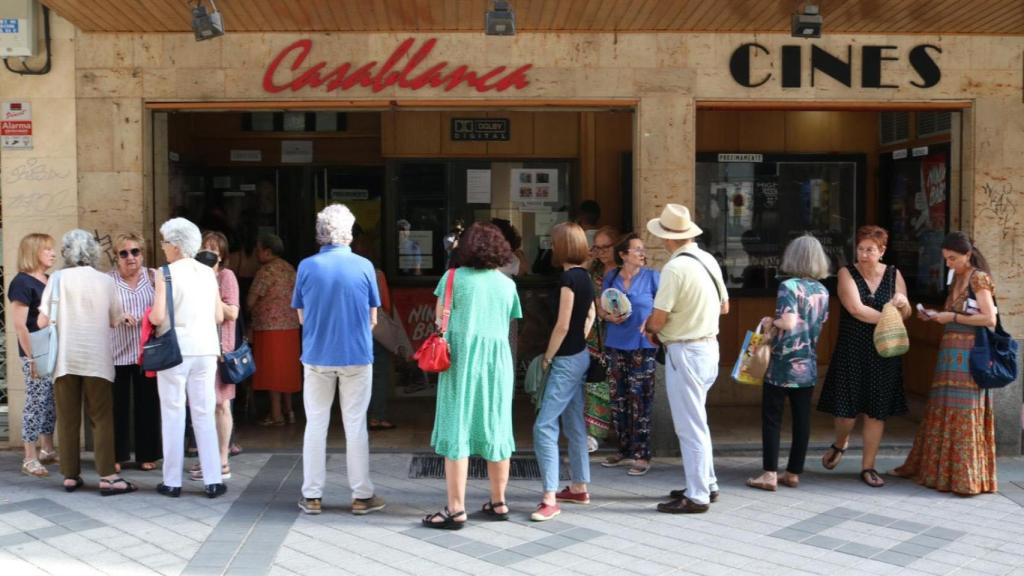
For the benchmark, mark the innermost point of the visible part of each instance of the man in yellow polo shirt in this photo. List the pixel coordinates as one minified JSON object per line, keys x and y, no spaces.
{"x":691,"y":296}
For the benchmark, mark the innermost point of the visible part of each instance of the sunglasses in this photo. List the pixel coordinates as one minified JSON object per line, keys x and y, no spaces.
{"x":134,"y":252}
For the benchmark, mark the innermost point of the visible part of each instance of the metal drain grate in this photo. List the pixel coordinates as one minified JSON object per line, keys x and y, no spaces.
{"x":520,"y":468}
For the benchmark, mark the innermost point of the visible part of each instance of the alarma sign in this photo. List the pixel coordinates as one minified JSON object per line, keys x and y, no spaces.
{"x":16,"y":125}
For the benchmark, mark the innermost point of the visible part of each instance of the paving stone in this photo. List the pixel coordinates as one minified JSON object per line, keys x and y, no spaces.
{"x":48,"y":532}
{"x":912,"y":549}
{"x":895,"y":558}
{"x":555,"y":541}
{"x":928,"y":541}
{"x":791,"y":534}
{"x":824,"y":542}
{"x":908,"y":526}
{"x":944,"y":533}
{"x":861,"y":550}
{"x":847,"y":513}
{"x":876,"y":519}
{"x":504,"y":558}
{"x":531,"y":549}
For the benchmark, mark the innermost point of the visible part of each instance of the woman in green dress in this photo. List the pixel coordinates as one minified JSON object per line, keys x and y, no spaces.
{"x":474,"y":396}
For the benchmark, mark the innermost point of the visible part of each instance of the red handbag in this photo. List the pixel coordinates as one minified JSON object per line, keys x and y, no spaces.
{"x":434,"y":355}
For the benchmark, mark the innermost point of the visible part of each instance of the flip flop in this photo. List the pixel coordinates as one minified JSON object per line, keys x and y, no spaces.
{"x":109,"y":491}
{"x":832,"y":457}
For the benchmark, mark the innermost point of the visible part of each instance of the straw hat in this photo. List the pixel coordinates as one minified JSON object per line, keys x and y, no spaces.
{"x":674,"y":224}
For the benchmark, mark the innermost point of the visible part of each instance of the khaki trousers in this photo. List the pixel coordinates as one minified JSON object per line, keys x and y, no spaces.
{"x":69,"y":391}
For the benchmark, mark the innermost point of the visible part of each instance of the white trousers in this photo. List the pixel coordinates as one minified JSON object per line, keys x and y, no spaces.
{"x":354,"y":385}
{"x":690,"y":371}
{"x":192,"y":379}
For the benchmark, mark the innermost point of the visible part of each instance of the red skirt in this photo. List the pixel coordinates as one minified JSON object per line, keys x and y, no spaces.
{"x":277,"y":360}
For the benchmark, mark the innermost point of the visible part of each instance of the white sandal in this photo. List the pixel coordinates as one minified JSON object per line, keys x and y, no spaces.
{"x":48,"y":456}
{"x":34,"y":468}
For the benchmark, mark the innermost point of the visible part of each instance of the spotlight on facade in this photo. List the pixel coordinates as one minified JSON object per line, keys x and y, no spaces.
{"x":807,"y":24}
{"x":205,"y":24}
{"x":500,"y":21}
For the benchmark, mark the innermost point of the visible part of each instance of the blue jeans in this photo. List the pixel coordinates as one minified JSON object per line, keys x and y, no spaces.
{"x":563,"y":398}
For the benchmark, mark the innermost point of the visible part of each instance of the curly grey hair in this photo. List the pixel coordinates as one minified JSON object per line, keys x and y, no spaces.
{"x":334,"y":225}
{"x":79,"y":248}
{"x":184,"y":234}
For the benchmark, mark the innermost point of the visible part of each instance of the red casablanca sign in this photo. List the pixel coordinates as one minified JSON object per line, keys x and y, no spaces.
{"x":392,"y":72}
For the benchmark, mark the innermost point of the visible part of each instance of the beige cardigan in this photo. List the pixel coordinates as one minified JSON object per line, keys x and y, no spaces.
{"x":87,"y":308}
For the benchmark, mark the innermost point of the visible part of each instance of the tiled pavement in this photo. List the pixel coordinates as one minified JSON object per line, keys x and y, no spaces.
{"x":832,"y":525}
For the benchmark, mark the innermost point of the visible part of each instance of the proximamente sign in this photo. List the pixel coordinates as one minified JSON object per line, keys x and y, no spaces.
{"x":400,"y":69}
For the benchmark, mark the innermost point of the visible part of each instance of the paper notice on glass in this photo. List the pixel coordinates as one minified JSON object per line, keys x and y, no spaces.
{"x":415,"y":250}
{"x":544,"y":221}
{"x":536,"y":206}
{"x":478,"y":186}
{"x":296,"y":151}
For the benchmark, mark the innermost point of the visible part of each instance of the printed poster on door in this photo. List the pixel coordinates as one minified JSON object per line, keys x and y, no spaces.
{"x":534,"y":186}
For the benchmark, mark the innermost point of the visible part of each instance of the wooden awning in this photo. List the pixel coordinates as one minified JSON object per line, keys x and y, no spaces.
{"x":986,"y":17}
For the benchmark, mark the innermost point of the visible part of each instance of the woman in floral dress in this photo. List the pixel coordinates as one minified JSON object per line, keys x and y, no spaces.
{"x":955,"y":446}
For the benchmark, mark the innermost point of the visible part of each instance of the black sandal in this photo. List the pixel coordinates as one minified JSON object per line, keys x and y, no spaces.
{"x":78,"y":484}
{"x":872,"y":478}
{"x":830,"y":462}
{"x":447,"y":520}
{"x":110,"y":491}
{"x":491,"y":514}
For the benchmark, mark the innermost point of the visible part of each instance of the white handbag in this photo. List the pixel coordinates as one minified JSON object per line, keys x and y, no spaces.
{"x":44,"y":341}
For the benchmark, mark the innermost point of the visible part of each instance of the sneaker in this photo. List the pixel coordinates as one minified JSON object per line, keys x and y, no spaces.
{"x":310,"y":505}
{"x":592,"y":444}
{"x":567,"y":495}
{"x":545,"y":512}
{"x":362,"y":506}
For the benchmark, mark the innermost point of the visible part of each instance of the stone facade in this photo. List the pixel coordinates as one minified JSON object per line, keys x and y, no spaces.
{"x":93,"y":133}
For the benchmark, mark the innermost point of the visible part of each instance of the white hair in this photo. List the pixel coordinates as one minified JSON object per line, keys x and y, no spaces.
{"x":805,"y":258}
{"x":334,"y":225}
{"x":183,"y":234}
{"x":79,"y":248}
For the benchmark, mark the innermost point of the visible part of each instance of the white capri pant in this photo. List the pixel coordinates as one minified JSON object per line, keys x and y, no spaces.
{"x":194,"y":379}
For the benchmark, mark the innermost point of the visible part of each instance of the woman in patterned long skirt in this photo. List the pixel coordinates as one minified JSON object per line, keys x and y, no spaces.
{"x":859,"y":380}
{"x":955,"y":446}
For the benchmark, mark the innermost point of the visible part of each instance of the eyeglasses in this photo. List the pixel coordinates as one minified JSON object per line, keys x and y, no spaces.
{"x":640,"y":251}
{"x":134,"y":252}
{"x":600,"y":248}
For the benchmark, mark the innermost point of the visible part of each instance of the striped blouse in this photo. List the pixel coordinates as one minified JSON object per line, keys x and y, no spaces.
{"x":135,"y":301}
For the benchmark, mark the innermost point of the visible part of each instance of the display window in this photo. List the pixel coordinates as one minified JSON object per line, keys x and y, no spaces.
{"x":915,"y":209}
{"x":751,"y":205}
{"x":434,"y":200}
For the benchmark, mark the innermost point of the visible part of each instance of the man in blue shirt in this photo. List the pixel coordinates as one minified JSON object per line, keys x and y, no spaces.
{"x":337,"y":299}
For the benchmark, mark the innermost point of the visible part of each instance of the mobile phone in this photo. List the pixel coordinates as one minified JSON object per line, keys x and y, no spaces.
{"x":926,"y":312}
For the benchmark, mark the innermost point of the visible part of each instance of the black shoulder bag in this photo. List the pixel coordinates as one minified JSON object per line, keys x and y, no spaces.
{"x":162,"y":352}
